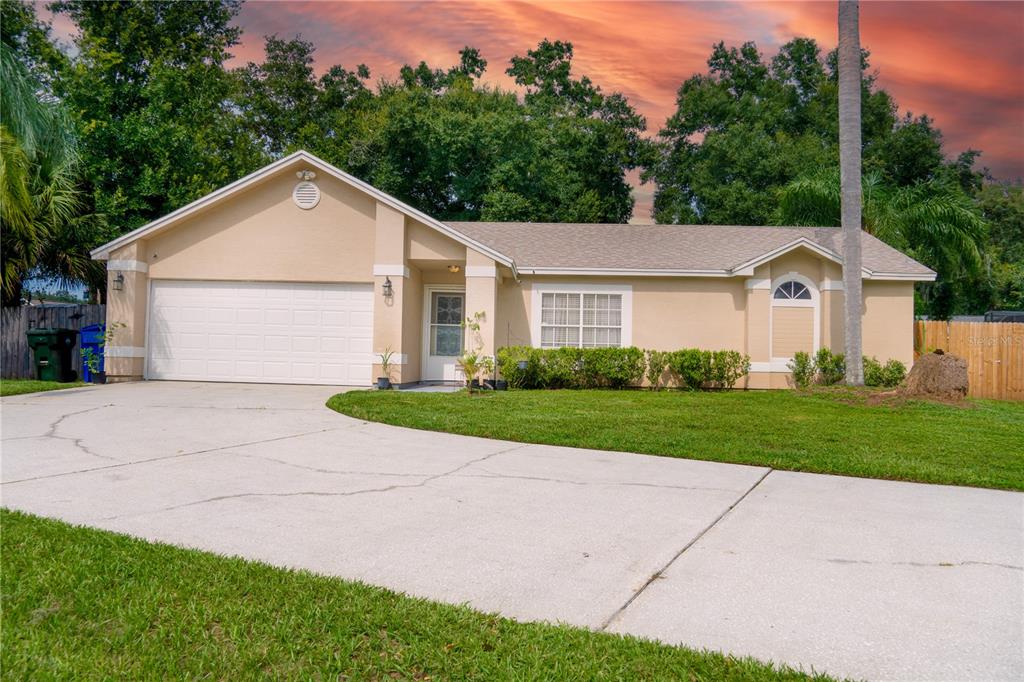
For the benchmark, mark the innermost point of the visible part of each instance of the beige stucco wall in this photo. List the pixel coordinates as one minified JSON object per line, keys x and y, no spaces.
{"x":888,"y":321}
{"x":261,"y":234}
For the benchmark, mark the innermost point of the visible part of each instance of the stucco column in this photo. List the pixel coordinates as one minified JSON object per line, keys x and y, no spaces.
{"x":832,"y":312}
{"x":127,"y":301}
{"x":389,"y":273}
{"x":481,"y":297}
{"x":758,"y":337}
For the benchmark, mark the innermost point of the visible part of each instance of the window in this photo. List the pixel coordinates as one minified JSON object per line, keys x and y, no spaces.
{"x":580,"y":320}
{"x":792,"y":291}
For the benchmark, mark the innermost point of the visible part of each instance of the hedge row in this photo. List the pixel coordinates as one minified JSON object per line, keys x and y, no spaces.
{"x":619,"y":367}
{"x":826,"y":368}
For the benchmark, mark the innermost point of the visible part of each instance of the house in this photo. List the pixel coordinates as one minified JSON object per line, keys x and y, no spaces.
{"x":301,"y":273}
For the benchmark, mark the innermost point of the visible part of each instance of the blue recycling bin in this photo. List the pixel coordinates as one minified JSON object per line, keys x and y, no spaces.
{"x":92,"y":338}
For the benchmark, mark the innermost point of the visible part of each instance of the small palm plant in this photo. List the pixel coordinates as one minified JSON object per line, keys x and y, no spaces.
{"x":470,"y":363}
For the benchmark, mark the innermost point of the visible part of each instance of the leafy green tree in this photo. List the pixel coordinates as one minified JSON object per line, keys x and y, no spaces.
{"x":933,"y":221}
{"x":153,"y":105}
{"x":457,"y":149}
{"x":283,"y":104}
{"x":39,"y":199}
{"x":748,"y":126}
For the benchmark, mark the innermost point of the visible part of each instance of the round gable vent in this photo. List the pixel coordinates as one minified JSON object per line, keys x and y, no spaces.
{"x":306,"y":195}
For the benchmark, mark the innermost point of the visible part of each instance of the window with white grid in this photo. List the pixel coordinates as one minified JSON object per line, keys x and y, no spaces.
{"x":580,"y":320}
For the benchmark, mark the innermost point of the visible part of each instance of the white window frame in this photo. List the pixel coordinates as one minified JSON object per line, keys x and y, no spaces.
{"x":541,"y":288}
{"x":814,"y":302}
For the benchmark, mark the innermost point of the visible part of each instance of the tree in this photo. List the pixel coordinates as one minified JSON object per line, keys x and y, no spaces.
{"x":459,"y":150}
{"x":152,"y":102}
{"x":748,"y":126}
{"x":282,"y":103}
{"x":934,"y":221}
{"x":38,"y":164}
{"x":850,"y":183}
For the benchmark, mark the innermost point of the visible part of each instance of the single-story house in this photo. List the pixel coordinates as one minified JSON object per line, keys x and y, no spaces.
{"x":301,"y":273}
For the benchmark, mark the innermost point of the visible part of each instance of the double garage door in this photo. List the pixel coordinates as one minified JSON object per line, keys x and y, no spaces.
{"x":260,"y":332}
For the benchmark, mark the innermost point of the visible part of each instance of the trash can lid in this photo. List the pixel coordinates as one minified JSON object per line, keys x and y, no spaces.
{"x":92,"y":328}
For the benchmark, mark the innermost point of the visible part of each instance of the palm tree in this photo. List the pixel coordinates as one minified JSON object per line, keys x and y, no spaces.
{"x":934,"y":221}
{"x":39,"y":200}
{"x":850,"y":171}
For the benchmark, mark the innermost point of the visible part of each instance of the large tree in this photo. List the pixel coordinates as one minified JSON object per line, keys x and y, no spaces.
{"x":152,"y":101}
{"x":748,"y":126}
{"x":451,"y":146}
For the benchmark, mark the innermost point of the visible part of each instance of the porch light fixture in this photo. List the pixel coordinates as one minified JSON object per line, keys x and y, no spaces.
{"x":453,"y":269}
{"x":119,"y":282}
{"x":388,"y":289}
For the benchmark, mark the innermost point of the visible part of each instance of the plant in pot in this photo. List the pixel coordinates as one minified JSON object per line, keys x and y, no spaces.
{"x":487,"y":371}
{"x":384,"y":382}
{"x":470,"y":364}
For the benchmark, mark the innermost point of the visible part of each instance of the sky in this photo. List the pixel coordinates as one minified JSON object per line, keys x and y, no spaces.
{"x":962,"y":63}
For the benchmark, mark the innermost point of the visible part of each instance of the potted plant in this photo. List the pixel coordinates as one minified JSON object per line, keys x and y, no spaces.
{"x":384,"y":382}
{"x":469,"y":363}
{"x":487,"y":370}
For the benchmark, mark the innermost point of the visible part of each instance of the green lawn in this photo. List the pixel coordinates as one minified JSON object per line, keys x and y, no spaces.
{"x":80,"y":603}
{"x":834,"y":432}
{"x":19,"y":386}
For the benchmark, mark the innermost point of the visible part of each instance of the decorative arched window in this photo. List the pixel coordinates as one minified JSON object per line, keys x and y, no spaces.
{"x":792,"y":291}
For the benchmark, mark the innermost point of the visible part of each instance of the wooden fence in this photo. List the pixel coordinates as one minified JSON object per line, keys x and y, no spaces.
{"x":994,"y":352}
{"x":15,"y":356}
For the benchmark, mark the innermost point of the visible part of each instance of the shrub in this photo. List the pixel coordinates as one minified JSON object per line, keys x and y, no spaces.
{"x":872,"y":372}
{"x":803,"y":369}
{"x":508,"y":365}
{"x":692,"y":366}
{"x":618,"y":367}
{"x":727,"y":367}
{"x":831,"y":367}
{"x":612,"y":367}
{"x":657,"y":363}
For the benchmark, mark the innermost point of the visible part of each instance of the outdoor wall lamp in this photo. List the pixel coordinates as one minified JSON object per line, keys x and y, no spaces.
{"x":119,"y":282}
{"x":388,"y":289}
{"x":453,"y":269}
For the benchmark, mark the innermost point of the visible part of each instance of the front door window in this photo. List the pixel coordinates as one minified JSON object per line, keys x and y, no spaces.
{"x":446,"y":313}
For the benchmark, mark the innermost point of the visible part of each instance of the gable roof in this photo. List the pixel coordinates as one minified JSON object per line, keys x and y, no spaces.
{"x":590,"y":249}
{"x":676,"y":250}
{"x":294,"y":159}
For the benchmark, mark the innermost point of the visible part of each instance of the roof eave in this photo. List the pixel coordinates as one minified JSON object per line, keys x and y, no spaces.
{"x":103,"y":252}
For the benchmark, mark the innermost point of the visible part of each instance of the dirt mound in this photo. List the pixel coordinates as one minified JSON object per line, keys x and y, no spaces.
{"x":937,"y":375}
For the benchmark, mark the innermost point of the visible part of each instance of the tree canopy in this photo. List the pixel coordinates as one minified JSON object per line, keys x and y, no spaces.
{"x":157,"y":118}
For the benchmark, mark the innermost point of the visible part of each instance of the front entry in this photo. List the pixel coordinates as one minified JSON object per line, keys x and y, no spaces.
{"x":443,"y":333}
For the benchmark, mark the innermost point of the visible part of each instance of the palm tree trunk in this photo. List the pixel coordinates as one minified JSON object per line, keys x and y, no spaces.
{"x":850,"y":179}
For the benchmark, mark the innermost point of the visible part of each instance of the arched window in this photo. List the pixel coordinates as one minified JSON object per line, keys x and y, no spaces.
{"x":792,"y":291}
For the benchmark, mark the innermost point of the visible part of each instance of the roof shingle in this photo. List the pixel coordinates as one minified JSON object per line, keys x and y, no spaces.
{"x":666,"y":247}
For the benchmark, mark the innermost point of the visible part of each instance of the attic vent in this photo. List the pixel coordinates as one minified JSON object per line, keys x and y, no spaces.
{"x":306,"y":195}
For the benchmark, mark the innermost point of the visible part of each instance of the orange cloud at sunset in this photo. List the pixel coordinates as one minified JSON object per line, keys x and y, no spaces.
{"x":961,"y":63}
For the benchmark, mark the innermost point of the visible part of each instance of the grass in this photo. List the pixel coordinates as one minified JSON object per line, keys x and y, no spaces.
{"x":80,"y":603}
{"x":832,"y":432}
{"x":19,"y":386}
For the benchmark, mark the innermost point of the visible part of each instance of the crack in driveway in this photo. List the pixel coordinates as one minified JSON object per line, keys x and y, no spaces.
{"x":494,"y":474}
{"x":920,"y":564}
{"x":182,"y":454}
{"x":320,"y":493}
{"x":77,"y":442}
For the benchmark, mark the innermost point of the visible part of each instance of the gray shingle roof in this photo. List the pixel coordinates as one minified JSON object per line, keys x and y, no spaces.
{"x":574,"y":246}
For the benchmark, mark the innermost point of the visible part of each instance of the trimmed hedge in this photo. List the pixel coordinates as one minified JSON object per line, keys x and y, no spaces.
{"x":826,"y":368}
{"x":619,"y":367}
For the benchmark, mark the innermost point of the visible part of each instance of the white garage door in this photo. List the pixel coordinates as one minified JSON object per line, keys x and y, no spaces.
{"x":261,"y":332}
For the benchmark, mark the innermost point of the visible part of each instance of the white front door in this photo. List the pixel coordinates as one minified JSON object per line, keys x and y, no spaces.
{"x":443,"y":334}
{"x":262,"y":332}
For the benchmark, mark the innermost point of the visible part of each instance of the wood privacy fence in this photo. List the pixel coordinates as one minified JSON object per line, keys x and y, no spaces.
{"x":994,"y":352}
{"x":15,"y":356}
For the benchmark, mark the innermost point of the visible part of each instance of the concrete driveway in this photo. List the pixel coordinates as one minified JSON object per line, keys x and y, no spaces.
{"x":854,"y":577}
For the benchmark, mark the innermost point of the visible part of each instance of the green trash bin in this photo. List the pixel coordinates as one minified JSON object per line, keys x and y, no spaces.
{"x":51,"y":353}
